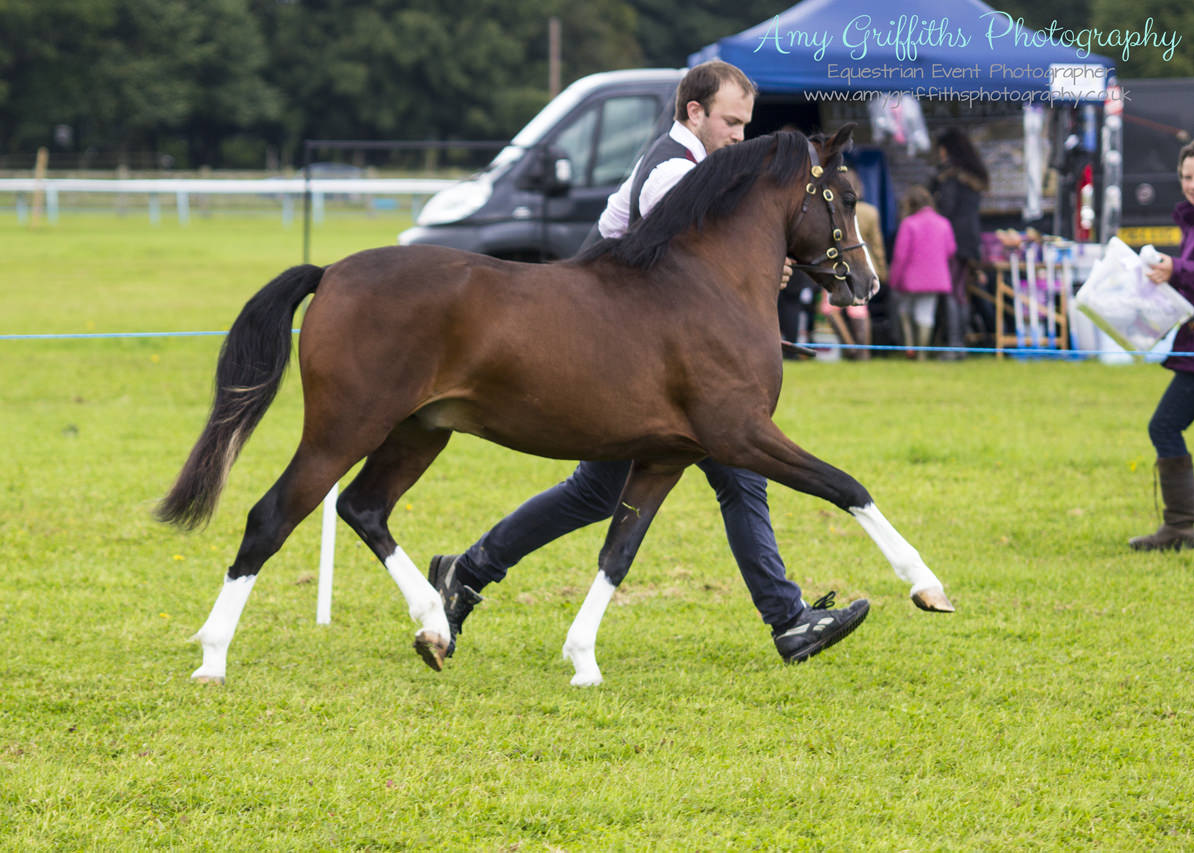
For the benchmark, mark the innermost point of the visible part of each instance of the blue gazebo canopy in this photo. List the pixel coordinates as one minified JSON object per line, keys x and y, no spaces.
{"x":958,"y":50}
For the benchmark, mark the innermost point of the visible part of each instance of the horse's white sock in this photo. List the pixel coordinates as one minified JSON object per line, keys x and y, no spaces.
{"x":580,"y":647}
{"x":903,"y":557}
{"x":423,"y":602}
{"x":216,"y":634}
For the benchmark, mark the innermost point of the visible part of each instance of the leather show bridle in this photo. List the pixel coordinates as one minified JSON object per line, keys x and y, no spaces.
{"x":841,"y":268}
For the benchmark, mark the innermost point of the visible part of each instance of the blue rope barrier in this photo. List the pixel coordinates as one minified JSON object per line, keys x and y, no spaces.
{"x":1012,"y":351}
{"x":69,"y":336}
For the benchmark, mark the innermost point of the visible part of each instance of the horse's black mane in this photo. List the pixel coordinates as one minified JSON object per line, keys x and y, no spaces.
{"x":711,"y":190}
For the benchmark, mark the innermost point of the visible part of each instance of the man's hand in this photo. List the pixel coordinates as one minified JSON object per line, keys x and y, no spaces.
{"x":1159,"y":273}
{"x":786,"y":276}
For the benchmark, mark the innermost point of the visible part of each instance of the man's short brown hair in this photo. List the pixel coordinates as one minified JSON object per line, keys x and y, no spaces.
{"x":703,"y":81}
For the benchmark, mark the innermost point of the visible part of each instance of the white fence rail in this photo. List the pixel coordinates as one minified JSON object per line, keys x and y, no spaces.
{"x":286,"y":190}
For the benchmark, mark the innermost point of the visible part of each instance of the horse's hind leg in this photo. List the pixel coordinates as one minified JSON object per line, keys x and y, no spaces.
{"x":299,"y":490}
{"x":366,"y":505}
{"x":769,"y":452}
{"x":645,"y":490}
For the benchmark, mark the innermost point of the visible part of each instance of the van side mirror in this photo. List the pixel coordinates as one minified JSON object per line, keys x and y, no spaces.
{"x":563,"y":171}
{"x":552,"y":174}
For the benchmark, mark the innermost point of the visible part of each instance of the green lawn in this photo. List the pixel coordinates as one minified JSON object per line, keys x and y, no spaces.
{"x":1051,"y":712}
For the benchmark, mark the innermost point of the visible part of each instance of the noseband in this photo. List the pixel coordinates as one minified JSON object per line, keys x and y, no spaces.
{"x":841,"y":269}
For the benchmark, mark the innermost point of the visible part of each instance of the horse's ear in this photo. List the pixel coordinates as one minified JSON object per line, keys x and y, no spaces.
{"x":841,"y":139}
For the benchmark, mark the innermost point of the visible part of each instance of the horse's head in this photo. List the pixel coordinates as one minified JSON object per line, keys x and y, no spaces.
{"x":823,"y":235}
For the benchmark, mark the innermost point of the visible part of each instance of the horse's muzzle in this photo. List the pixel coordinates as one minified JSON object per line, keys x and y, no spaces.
{"x":871,"y":288}
{"x":841,"y":295}
{"x":852,"y":290}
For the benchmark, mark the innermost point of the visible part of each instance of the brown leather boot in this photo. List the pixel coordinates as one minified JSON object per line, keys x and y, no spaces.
{"x":1177,"y":492}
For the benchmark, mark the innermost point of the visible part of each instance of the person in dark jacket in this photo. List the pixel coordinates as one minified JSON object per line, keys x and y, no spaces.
{"x":1175,"y":411}
{"x":957,"y":189}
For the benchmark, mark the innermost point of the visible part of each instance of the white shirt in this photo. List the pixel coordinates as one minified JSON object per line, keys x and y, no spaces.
{"x":616,"y":218}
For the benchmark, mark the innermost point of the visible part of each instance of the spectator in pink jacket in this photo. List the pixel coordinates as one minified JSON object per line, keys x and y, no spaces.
{"x":920,"y":271}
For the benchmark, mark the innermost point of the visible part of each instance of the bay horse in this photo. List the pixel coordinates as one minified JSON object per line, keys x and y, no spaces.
{"x":661,"y":347}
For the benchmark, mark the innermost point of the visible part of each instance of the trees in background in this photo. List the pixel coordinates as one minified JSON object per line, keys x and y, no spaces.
{"x":226,"y":82}
{"x":131,"y":74}
{"x":240,"y":82}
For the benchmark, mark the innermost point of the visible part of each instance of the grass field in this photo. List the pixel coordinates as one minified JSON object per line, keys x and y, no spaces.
{"x":1051,"y":712}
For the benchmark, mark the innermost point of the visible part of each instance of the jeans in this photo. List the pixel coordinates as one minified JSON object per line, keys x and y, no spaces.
{"x":1175,"y":412}
{"x":591,"y":493}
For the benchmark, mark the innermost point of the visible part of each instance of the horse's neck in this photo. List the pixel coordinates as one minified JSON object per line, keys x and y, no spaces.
{"x":746,"y":249}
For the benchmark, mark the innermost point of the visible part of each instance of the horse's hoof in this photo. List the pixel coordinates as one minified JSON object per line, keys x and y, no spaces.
{"x":432,"y":648}
{"x":587,"y":680}
{"x":933,"y":600}
{"x":588,"y":674}
{"x":207,"y":679}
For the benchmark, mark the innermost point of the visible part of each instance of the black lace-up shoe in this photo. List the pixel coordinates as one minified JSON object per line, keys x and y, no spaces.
{"x":459,"y":598}
{"x":818,"y":628}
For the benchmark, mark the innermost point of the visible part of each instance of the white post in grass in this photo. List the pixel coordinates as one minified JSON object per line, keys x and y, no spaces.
{"x":327,"y":558}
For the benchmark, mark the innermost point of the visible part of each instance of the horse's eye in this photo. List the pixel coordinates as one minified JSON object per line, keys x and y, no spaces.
{"x":849,"y":199}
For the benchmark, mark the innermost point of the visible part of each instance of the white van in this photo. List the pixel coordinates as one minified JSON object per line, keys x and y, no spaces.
{"x":542,"y":193}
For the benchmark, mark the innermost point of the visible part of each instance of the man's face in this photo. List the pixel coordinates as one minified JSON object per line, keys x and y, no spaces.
{"x":725,"y":123}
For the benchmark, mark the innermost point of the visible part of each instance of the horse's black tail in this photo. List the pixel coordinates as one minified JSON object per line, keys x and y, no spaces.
{"x":250,"y":368}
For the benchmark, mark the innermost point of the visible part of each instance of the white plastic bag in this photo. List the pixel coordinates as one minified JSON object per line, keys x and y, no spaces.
{"x":1121,"y":301}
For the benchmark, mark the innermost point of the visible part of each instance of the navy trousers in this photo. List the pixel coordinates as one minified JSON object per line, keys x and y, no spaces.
{"x":592,"y":493}
{"x":1174,"y":414}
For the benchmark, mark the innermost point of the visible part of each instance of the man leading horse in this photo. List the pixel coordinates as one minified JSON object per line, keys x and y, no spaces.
{"x":661,"y":346}
{"x":714,"y":103}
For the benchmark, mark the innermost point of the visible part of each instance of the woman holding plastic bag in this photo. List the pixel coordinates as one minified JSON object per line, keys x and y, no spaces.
{"x":1175,"y":411}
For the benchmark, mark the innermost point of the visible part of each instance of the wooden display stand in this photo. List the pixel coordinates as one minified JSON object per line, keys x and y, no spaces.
{"x":1040,"y":306}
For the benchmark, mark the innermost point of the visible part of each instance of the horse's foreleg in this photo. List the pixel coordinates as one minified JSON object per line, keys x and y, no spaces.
{"x":366,"y":505}
{"x":580,"y":646}
{"x":645,"y":490}
{"x":777,"y":458}
{"x":927,"y":592}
